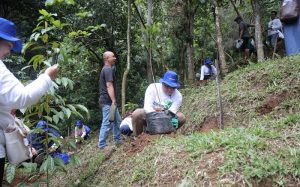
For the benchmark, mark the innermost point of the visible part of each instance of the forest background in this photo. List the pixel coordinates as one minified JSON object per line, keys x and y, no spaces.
{"x":169,"y":34}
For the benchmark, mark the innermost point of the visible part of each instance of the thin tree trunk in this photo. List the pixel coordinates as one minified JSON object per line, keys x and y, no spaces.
{"x":128,"y":57}
{"x":189,"y":47}
{"x":149,"y":52}
{"x":220,"y":104}
{"x":221,"y":52}
{"x":258,"y":35}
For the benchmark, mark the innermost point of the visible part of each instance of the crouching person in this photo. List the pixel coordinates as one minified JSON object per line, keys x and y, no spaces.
{"x":39,"y":147}
{"x":163,"y":96}
{"x":126,"y":124}
{"x":81,"y":130}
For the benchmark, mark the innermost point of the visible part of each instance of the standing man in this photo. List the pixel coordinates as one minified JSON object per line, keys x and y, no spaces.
{"x":243,"y":35}
{"x":108,"y":100}
{"x":158,"y":97}
{"x":274,"y":27}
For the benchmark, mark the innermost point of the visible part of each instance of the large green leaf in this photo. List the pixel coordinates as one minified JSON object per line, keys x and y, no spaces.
{"x":10,"y":172}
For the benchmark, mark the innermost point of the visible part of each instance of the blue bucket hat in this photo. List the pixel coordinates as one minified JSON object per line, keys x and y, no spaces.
{"x":42,"y":125}
{"x":8,"y":32}
{"x":78,"y":122}
{"x":208,"y":61}
{"x":171,"y":79}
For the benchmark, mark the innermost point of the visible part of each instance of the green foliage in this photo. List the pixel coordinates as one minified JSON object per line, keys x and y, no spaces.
{"x":10,"y":172}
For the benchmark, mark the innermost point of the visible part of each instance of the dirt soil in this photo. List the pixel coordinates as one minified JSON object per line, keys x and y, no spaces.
{"x":271,"y":102}
{"x":212,"y":123}
{"x":23,"y":178}
{"x":138,"y":144}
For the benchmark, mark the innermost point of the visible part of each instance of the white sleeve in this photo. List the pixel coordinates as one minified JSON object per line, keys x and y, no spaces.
{"x":76,"y":132}
{"x":202,"y":73}
{"x":16,"y":95}
{"x":83,"y":132}
{"x":214,"y":70}
{"x":176,"y":102}
{"x":277,"y":25}
{"x":149,"y":98}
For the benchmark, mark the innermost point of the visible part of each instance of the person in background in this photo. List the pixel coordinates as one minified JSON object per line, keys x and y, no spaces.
{"x":207,"y":70}
{"x":126,"y":124}
{"x":13,"y":94}
{"x":158,"y":97}
{"x":107,"y":100}
{"x":244,"y":35}
{"x":37,"y":140}
{"x":81,"y":131}
{"x":274,"y":27}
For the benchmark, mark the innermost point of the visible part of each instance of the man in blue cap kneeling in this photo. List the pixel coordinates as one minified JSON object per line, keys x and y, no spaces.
{"x":163,"y":96}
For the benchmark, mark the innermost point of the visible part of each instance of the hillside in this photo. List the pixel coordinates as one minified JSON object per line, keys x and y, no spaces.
{"x":259,"y":146}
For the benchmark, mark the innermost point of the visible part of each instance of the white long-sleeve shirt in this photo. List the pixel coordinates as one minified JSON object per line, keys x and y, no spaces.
{"x":14,"y":95}
{"x":205,"y":71}
{"x":274,"y":25}
{"x":152,"y":96}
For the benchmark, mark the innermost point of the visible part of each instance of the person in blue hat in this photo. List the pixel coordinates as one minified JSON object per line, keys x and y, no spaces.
{"x":207,"y":71}
{"x":81,"y":130}
{"x":37,"y":141}
{"x":13,"y":94}
{"x":162,"y":96}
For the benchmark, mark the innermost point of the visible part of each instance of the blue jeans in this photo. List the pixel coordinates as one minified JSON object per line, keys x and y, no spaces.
{"x":272,"y":39}
{"x":105,"y":127}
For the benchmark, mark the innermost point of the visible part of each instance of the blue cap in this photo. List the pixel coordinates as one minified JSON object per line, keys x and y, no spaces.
{"x":78,"y":122}
{"x":42,"y":125}
{"x":171,"y":79}
{"x":208,"y":61}
{"x":8,"y":32}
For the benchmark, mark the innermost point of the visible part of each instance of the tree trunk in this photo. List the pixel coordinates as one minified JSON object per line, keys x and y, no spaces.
{"x":190,"y":39}
{"x":128,"y":57}
{"x":221,"y":52}
{"x":258,"y":35}
{"x":149,"y":52}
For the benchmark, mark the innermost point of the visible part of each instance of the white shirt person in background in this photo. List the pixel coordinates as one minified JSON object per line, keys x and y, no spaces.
{"x":274,"y":27}
{"x":13,"y":94}
{"x":207,"y":71}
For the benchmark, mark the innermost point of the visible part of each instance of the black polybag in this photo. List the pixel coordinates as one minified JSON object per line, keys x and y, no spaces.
{"x":159,"y":123}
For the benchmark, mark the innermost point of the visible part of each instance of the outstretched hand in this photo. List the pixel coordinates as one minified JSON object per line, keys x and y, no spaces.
{"x":52,"y":71}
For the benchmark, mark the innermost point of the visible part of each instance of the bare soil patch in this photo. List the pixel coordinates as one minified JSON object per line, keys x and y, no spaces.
{"x":212,"y":123}
{"x":138,"y":144}
{"x":271,"y":102}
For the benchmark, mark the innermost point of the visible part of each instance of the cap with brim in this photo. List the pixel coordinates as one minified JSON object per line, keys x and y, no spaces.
{"x":8,"y":32}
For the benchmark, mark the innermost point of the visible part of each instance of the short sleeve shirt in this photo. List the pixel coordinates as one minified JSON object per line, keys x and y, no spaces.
{"x":244,"y":26}
{"x":107,"y":75}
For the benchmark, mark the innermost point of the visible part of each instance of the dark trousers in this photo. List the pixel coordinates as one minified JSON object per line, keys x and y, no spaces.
{"x":2,"y":164}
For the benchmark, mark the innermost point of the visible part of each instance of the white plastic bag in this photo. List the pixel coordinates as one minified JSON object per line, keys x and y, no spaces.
{"x":17,"y":148}
{"x":280,"y":35}
{"x":238,"y":43}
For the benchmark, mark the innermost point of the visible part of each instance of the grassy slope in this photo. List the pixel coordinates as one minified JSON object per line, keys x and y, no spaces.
{"x":254,"y":149}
